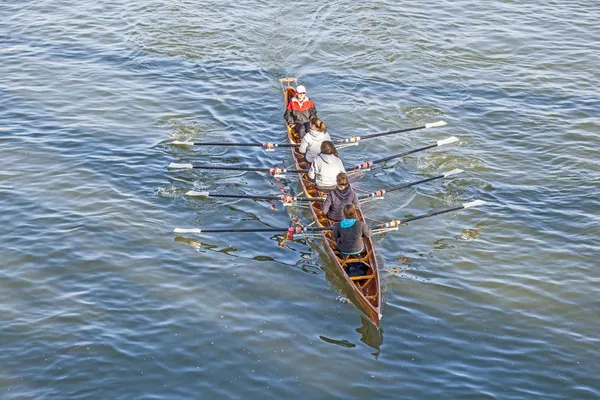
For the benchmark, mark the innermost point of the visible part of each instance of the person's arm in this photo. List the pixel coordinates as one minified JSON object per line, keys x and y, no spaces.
{"x":366,"y":232}
{"x":311,"y":171}
{"x":336,"y":231}
{"x":304,"y":144}
{"x":326,"y":205}
{"x":289,"y":118}
{"x":313,"y":110}
{"x":355,"y":200}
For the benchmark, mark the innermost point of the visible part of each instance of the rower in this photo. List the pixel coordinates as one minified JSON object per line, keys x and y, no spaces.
{"x":311,"y":142}
{"x":340,"y":196}
{"x":299,"y":111}
{"x":349,"y":232}
{"x":326,"y":167}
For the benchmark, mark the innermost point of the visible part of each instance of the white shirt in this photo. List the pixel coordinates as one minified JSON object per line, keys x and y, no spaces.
{"x":311,"y":144}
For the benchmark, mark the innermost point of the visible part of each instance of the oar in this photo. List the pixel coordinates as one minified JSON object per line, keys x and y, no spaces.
{"x":294,"y":229}
{"x":381,"y":192}
{"x":388,"y":226}
{"x":426,"y":126}
{"x":369,"y":164}
{"x":270,"y":146}
{"x":267,"y":145}
{"x":270,"y":171}
{"x":281,"y":171}
{"x":283,"y":198}
{"x":395,"y":224}
{"x":289,"y":200}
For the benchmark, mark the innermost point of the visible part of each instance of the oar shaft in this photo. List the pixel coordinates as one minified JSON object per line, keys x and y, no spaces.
{"x":395,"y":223}
{"x":244,"y":196}
{"x":257,"y":169}
{"x":245,"y":230}
{"x":391,"y":132}
{"x":254,"y":230}
{"x":433,"y":178}
{"x":431,"y":146}
{"x":228,"y":144}
{"x":431,"y":214}
{"x":381,"y":192}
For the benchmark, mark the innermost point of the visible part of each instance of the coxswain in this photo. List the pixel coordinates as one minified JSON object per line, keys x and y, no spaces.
{"x":343,"y":194}
{"x":349,"y":232}
{"x":311,"y":142}
{"x":299,"y":111}
{"x":326,"y":167}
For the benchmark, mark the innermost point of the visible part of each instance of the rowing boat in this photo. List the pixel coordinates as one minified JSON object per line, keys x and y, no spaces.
{"x":366,"y":287}
{"x":360,"y":272}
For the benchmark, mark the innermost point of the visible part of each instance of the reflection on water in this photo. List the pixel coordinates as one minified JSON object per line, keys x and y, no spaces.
{"x":189,"y":241}
{"x":470,"y":234}
{"x":370,"y":335}
{"x":342,"y":342}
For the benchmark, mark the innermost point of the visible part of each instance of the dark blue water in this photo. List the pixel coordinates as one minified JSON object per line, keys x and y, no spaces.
{"x":100,"y":299}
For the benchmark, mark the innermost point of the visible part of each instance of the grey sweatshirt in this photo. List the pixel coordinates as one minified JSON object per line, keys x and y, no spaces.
{"x":348,"y":235}
{"x":334,"y":204}
{"x":324,"y":170}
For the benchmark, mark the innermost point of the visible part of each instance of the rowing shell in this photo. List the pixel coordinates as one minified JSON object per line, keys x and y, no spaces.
{"x":366,"y":287}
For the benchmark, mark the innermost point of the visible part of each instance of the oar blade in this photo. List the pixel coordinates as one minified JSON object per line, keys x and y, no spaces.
{"x":451,"y":139}
{"x":436,"y":124}
{"x":195,"y":193}
{"x":180,"y":166}
{"x":182,"y":143}
{"x":187,"y":230}
{"x":475,"y":203}
{"x":453,"y":172}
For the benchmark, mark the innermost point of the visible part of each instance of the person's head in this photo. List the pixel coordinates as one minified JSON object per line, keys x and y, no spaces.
{"x":327,"y":147}
{"x":350,"y":211}
{"x":318,"y":125}
{"x":300,"y":92}
{"x":342,"y":180}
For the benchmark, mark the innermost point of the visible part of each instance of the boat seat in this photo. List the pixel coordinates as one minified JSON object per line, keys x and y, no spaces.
{"x":358,"y":278}
{"x":348,"y":258}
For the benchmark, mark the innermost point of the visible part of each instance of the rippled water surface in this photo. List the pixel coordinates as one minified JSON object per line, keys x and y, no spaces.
{"x":100,"y":299}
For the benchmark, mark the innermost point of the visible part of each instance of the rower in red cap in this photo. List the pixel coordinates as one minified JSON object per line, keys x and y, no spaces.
{"x":299,"y":111}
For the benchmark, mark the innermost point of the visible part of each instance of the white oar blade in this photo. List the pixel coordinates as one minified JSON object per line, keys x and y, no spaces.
{"x":180,"y":166}
{"x":436,"y":124}
{"x":198,"y":194}
{"x":453,"y":172}
{"x":451,"y":139}
{"x":182,"y":143}
{"x":475,"y":203}
{"x":187,"y":230}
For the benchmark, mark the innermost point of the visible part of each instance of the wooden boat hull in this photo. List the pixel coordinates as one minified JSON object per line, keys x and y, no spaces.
{"x":367,"y":288}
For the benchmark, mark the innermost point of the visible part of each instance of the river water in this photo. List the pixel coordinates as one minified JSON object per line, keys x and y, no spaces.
{"x":101,"y":299}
